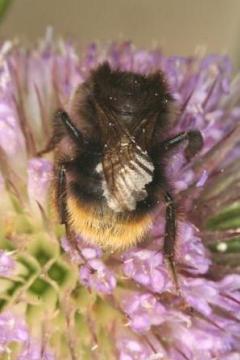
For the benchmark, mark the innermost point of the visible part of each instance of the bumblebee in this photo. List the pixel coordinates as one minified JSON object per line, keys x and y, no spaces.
{"x":110,"y":154}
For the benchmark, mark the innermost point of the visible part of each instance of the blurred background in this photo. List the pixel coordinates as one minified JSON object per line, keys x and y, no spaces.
{"x":178,"y":27}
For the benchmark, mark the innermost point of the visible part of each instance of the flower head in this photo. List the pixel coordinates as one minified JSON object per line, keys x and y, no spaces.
{"x":91,"y":296}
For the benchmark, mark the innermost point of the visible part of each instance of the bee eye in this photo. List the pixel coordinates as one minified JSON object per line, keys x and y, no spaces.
{"x":164,"y":101}
{"x":111,"y":98}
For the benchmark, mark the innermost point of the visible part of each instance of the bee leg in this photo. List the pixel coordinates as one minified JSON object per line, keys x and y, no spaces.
{"x":61,"y":197}
{"x":48,"y":148}
{"x":195,"y":142}
{"x":62,"y":124}
{"x":52,"y":142}
{"x":170,"y":238}
{"x":169,"y":249}
{"x":61,"y":194}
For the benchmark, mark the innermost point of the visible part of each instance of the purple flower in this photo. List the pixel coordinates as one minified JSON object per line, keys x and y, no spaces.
{"x":144,"y":311}
{"x":12,"y":329}
{"x":132,"y":349}
{"x":97,"y":276}
{"x":146,"y":267}
{"x":39,"y":178}
{"x":82,"y":251}
{"x":135,"y":300}
{"x":94,"y":274}
{"x":34,"y":351}
{"x":9,"y":130}
{"x":7,"y":263}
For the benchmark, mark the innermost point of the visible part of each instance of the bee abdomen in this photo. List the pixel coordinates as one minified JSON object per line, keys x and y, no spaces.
{"x":105,"y":228}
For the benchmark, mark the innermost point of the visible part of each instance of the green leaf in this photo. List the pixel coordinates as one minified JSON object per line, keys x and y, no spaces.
{"x":231,"y":246}
{"x":228,"y":219}
{"x":4,"y":5}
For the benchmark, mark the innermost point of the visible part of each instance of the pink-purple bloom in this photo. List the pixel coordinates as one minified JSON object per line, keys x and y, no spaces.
{"x":97,"y":276}
{"x":148,"y":319}
{"x":7,"y":263}
{"x":39,"y":179}
{"x":146,"y":267}
{"x":34,"y":351}
{"x":12,"y":328}
{"x":131,"y":349}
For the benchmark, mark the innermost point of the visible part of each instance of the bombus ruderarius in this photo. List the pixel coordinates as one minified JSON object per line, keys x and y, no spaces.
{"x":110,"y":158}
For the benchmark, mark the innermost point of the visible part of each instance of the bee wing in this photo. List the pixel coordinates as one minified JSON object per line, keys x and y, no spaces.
{"x":126,"y":170}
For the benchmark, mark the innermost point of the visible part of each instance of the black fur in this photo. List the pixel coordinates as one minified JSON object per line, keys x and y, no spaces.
{"x":130,"y":98}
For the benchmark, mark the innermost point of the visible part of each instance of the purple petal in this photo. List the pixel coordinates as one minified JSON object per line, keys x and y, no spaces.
{"x":7,"y":263}
{"x":39,"y":178}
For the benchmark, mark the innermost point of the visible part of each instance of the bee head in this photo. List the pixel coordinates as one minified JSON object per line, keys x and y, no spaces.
{"x":130,"y":97}
{"x":113,"y":103}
